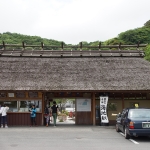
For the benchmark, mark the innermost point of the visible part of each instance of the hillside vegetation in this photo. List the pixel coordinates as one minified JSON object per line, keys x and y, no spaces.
{"x":133,"y":36}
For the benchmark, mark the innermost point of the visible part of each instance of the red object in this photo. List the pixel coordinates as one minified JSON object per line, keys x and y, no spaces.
{"x":131,"y":125}
{"x":70,"y":114}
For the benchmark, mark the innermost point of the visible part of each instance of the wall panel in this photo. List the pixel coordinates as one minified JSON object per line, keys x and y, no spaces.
{"x":22,"y":119}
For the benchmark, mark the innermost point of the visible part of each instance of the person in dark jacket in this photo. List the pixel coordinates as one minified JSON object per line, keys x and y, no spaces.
{"x":54,"y":111}
{"x":47,"y":115}
{"x":33,"y":115}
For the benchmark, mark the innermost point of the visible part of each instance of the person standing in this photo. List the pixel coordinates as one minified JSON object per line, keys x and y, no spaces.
{"x":47,"y":115}
{"x":3,"y":112}
{"x":33,"y":115}
{"x":54,"y":110}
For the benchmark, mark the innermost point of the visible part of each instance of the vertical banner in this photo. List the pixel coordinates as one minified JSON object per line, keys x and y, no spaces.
{"x":103,"y":109}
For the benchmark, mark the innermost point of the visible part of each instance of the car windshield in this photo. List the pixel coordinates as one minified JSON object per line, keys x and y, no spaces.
{"x":139,"y":114}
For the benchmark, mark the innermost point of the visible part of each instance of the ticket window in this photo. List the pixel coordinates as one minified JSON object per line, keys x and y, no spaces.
{"x":22,"y":106}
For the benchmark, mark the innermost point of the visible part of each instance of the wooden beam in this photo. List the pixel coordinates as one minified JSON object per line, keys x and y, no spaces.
{"x":78,"y":46}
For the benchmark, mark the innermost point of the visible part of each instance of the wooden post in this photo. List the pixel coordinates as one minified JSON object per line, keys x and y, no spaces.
{"x":3,"y":45}
{"x":93,"y":106}
{"x":62,"y":45}
{"x":43,"y":104}
{"x":99,"y":46}
{"x":42,"y":45}
{"x":80,"y":45}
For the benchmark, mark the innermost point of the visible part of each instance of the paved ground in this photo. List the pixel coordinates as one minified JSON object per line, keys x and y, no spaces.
{"x":69,"y":137}
{"x":68,"y":121}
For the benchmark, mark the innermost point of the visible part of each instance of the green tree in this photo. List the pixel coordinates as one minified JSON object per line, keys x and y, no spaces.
{"x":147,"y":24}
{"x":114,"y":41}
{"x":141,"y":35}
{"x":147,"y":52}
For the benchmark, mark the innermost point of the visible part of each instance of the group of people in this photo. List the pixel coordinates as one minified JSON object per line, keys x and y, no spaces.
{"x":49,"y":112}
{"x":3,"y":114}
{"x":52,"y":111}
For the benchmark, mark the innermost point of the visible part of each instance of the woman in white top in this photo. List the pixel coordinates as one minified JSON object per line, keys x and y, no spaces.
{"x":3,"y":112}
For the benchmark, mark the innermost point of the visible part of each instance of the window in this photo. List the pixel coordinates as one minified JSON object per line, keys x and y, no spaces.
{"x":124,"y":113}
{"x":97,"y":111}
{"x":33,"y":94}
{"x":23,"y":106}
{"x":112,"y":106}
{"x":20,"y":94}
{"x":3,"y":95}
{"x":140,"y":114}
{"x":11,"y":104}
{"x":134,"y":104}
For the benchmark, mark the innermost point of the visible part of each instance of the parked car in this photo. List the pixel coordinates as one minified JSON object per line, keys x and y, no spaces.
{"x":134,"y":122}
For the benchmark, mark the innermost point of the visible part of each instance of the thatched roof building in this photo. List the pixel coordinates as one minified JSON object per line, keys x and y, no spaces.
{"x":42,"y":75}
{"x":92,"y":73}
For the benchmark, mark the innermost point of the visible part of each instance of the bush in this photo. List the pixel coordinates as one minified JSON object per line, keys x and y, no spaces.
{"x":61,"y":120}
{"x":65,"y":112}
{"x":147,"y":52}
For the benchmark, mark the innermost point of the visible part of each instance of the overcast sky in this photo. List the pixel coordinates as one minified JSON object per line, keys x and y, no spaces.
{"x":73,"y":21}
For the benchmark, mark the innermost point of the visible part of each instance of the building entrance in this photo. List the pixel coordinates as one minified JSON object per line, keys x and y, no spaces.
{"x":74,"y":107}
{"x":66,"y":111}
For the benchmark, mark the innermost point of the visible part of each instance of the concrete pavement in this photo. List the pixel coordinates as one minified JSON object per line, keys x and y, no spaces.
{"x":65,"y":137}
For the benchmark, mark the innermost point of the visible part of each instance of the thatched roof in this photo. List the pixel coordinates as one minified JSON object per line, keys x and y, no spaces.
{"x":103,"y":73}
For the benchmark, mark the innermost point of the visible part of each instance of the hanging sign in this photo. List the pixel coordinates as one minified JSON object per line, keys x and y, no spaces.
{"x":83,"y":104}
{"x":11,"y":95}
{"x":136,"y":105}
{"x":103,"y":109}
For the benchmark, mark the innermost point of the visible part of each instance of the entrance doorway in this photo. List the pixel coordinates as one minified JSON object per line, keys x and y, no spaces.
{"x":74,"y":108}
{"x":66,"y":114}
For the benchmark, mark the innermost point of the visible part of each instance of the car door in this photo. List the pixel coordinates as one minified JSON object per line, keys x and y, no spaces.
{"x":118,"y":120}
{"x":122,"y":121}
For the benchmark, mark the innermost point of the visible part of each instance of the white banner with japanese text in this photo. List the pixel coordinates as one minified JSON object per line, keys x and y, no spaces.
{"x":103,"y":109}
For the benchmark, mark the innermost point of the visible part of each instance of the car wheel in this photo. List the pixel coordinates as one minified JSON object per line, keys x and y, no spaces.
{"x":127,"y":136}
{"x":117,"y":128}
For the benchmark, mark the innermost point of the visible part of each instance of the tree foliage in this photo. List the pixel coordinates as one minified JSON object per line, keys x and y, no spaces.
{"x":147,"y":24}
{"x":147,"y":52}
{"x":114,"y":41}
{"x":141,"y":35}
{"x":15,"y":38}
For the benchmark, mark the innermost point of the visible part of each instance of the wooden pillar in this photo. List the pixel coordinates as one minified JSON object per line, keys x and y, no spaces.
{"x":43,"y":103}
{"x":93,"y":106}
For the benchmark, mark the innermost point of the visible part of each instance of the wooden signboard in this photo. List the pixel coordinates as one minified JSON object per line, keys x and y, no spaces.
{"x":3,"y":95}
{"x":20,"y":94}
{"x":33,"y":94}
{"x":11,"y":95}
